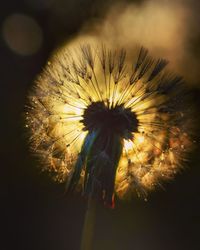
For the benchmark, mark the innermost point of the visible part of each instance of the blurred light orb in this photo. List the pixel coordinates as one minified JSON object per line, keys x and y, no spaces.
{"x":22,"y":34}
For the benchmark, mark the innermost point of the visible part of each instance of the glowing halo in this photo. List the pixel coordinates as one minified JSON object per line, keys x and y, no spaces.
{"x":76,"y":78}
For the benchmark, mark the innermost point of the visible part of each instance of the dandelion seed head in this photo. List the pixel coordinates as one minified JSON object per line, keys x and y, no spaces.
{"x":93,"y":88}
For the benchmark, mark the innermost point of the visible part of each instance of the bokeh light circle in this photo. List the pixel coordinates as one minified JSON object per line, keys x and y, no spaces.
{"x":22,"y":34}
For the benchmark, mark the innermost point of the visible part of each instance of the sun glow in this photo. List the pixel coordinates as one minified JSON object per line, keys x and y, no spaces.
{"x":72,"y":81}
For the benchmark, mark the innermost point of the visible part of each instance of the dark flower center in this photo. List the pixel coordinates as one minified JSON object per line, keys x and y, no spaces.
{"x":118,"y":119}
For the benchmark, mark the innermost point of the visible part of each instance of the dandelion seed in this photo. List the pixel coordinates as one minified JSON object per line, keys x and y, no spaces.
{"x":107,"y":126}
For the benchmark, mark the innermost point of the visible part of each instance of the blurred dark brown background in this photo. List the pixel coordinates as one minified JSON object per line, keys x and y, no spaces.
{"x":35,"y":214}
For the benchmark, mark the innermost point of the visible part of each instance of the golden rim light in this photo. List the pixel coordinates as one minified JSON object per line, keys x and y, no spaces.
{"x":75,"y":78}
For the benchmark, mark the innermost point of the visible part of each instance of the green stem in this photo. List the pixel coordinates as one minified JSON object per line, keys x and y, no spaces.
{"x":88,"y":227}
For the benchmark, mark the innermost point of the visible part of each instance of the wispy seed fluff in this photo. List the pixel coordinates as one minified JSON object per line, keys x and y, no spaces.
{"x":106,"y":126}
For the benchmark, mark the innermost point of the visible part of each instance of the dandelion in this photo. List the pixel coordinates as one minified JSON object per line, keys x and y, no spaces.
{"x":107,"y":126}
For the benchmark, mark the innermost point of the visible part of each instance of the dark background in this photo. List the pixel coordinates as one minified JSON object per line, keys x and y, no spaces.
{"x":34,"y":212}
